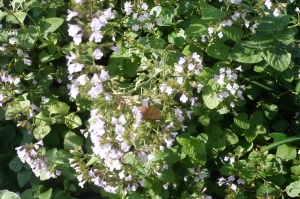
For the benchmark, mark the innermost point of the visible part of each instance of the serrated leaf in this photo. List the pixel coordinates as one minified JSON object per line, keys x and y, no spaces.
{"x":49,"y":25}
{"x":27,"y":37}
{"x":250,"y":134}
{"x":270,"y":110}
{"x":230,"y":137}
{"x":59,"y":108}
{"x":40,"y":132}
{"x":72,"y":121}
{"x":23,"y":177}
{"x":209,"y":12}
{"x":286,"y":152}
{"x":196,"y":28}
{"x":218,"y":51}
{"x":151,"y":43}
{"x":210,"y":97}
{"x":233,"y":32}
{"x":242,"y":121}
{"x":245,"y":54}
{"x":278,"y":58}
{"x":293,"y":189}
{"x":16,"y":18}
{"x":46,"y":195}
{"x":41,"y":120}
{"x":286,"y":36}
{"x":72,"y":141}
{"x":15,"y":164}
{"x":204,"y":119}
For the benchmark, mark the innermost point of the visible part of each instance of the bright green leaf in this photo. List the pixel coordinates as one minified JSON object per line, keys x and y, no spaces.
{"x":278,"y":58}
{"x":40,"y":132}
{"x":242,"y":120}
{"x":233,"y":32}
{"x":293,"y":189}
{"x":209,"y":12}
{"x":286,"y":152}
{"x":5,"y":194}
{"x":72,"y":141}
{"x":49,"y":25}
{"x":72,"y":121}
{"x":218,"y":51}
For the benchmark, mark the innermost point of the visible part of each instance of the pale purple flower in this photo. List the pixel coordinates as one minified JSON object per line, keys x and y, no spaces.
{"x":98,"y":54}
{"x":128,"y":7}
{"x":144,"y":6}
{"x":73,"y":30}
{"x":71,"y":14}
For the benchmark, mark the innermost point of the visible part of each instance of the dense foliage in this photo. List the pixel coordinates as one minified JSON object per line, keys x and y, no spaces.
{"x":149,"y":99}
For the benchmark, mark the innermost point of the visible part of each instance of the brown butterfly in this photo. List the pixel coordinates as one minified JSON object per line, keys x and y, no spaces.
{"x":150,"y":113}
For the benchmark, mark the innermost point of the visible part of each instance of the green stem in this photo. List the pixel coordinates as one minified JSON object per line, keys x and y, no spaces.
{"x":281,"y":142}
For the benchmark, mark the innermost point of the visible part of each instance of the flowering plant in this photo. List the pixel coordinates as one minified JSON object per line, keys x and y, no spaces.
{"x":149,"y":99}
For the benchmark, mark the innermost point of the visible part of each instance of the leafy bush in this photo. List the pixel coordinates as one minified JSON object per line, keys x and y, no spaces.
{"x":149,"y":99}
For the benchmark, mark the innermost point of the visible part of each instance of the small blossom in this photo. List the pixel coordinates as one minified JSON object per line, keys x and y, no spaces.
{"x":184,"y":98}
{"x":276,"y":12}
{"x":240,"y":181}
{"x":233,"y":187}
{"x":97,"y":54}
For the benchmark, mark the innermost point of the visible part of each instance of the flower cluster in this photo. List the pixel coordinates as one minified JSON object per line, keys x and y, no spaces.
{"x":229,"y":88}
{"x":230,"y":182}
{"x":141,"y":16}
{"x":38,"y":162}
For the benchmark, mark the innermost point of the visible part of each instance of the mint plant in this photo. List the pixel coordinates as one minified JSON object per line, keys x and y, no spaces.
{"x":149,"y":99}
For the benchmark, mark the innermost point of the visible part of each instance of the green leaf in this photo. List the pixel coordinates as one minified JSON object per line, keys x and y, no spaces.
{"x":204,"y":119}
{"x":210,"y":97}
{"x":230,"y":137}
{"x":227,"y":169}
{"x":50,"y":24}
{"x":72,"y":141}
{"x":186,"y":5}
{"x":93,"y":160}
{"x":59,"y":108}
{"x":293,"y":189}
{"x":256,"y":118}
{"x":245,"y":54}
{"x":62,"y":195}
{"x":40,"y":132}
{"x":286,"y":152}
{"x":72,"y":121}
{"x":46,"y":195}
{"x":233,"y":32}
{"x":250,"y":134}
{"x":278,"y":58}
{"x":286,"y":36}
{"x":296,"y":170}
{"x":41,"y":120}
{"x":242,"y":121}
{"x":268,"y":191}
{"x":196,"y":28}
{"x":150,"y":42}
{"x":218,"y":51}
{"x":8,"y":134}
{"x":23,"y":177}
{"x":15,"y":164}
{"x":44,"y":82}
{"x":280,"y":125}
{"x":270,"y":110}
{"x":16,"y":17}
{"x":177,"y":38}
{"x":5,"y":194}
{"x":209,"y":12}
{"x":27,"y":37}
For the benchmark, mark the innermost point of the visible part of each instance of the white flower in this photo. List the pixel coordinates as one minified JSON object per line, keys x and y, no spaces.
{"x":27,"y":62}
{"x":73,"y":30}
{"x":71,"y":14}
{"x":276,"y":13}
{"x":97,"y":54}
{"x":220,"y":34}
{"x":233,"y":187}
{"x":144,"y":6}
{"x":77,"y":39}
{"x":231,"y":178}
{"x":240,"y":181}
{"x":268,"y":3}
{"x":12,"y":41}
{"x":128,"y":7}
{"x":297,"y":10}
{"x":135,"y":27}
{"x":184,"y":98}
